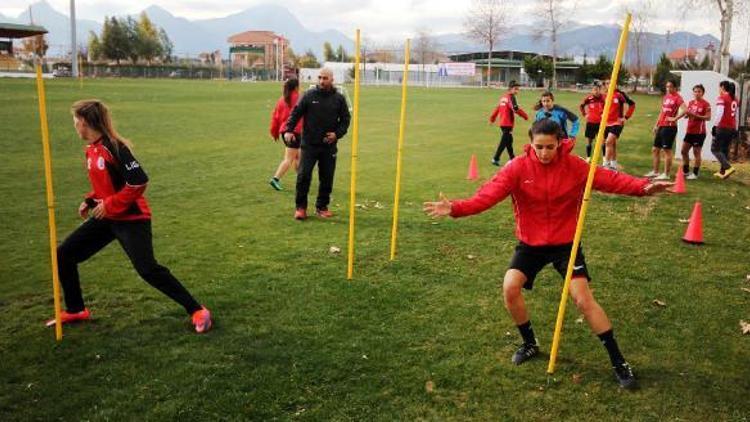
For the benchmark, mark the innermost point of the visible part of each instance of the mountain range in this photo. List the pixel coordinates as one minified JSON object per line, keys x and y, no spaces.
{"x":191,"y":37}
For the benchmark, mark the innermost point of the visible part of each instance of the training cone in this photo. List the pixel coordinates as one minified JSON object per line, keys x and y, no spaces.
{"x":473,"y":171}
{"x":679,"y":183}
{"x":694,"y":232}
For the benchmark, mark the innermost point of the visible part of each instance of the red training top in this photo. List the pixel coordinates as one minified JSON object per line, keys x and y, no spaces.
{"x":281,"y":114}
{"x":616,"y":110}
{"x":727,"y":107}
{"x":592,"y":107}
{"x":670,"y":105}
{"x":118,"y":179}
{"x":506,"y":109}
{"x":700,"y":107}
{"x":546,"y":197}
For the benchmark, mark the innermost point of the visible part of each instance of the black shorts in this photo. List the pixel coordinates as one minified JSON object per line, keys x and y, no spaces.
{"x":531,"y":259}
{"x":665,"y":136}
{"x":615,"y":130}
{"x":591,"y":130}
{"x":695,"y":139}
{"x":295,"y":143}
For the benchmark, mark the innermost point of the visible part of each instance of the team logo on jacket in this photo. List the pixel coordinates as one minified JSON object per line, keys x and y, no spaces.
{"x":100,"y":163}
{"x":132,"y":165}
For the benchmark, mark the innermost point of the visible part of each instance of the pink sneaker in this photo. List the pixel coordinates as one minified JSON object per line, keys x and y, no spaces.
{"x":324,"y":213}
{"x":202,"y":320}
{"x":67,"y":318}
{"x":300,"y":214}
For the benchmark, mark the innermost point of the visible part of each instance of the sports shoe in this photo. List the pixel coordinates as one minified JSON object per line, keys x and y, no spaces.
{"x":496,"y":163}
{"x":323,"y":213}
{"x":691,"y":176}
{"x":728,"y":172}
{"x":525,"y":352}
{"x":662,"y":176}
{"x":651,"y":174}
{"x":624,"y":376}
{"x":300,"y":214}
{"x":67,"y":317}
{"x":275,"y":184}
{"x":202,"y":320}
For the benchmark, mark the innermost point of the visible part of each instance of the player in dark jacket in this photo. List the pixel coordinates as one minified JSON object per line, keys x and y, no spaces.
{"x":327,"y":118}
{"x":505,"y":113}
{"x":118,"y":211}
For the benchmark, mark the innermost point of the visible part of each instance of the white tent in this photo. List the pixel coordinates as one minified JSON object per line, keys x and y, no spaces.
{"x":710,"y":80}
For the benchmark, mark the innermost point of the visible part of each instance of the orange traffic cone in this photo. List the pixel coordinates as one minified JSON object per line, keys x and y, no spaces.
{"x":679,"y":183}
{"x":473,"y":171}
{"x":694,"y":232}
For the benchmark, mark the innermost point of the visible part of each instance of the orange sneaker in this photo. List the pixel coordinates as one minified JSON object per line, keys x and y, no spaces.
{"x":67,"y":317}
{"x":323,"y":213}
{"x":202,"y":320}
{"x":300,"y":214}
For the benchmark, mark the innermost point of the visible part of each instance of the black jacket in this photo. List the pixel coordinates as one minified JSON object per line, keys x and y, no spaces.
{"x":324,"y":111}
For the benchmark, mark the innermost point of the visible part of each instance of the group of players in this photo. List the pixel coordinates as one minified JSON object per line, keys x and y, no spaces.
{"x":697,"y":112}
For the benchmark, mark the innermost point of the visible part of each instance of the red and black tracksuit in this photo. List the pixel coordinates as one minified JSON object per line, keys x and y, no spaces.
{"x":118,"y":180}
{"x":592,"y":107}
{"x":506,"y":110}
{"x":725,"y":129}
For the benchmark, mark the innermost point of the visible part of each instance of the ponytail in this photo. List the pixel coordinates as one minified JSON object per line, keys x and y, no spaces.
{"x":729,"y":88}
{"x":97,"y":117}
{"x":290,"y":86}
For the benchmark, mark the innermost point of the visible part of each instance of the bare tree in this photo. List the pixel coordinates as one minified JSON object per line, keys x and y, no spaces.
{"x":642,"y":14}
{"x":484,"y":22}
{"x":728,"y":10}
{"x":551,"y":16}
{"x":425,"y":48}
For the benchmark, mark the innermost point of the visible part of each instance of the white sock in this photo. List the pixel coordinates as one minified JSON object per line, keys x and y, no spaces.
{"x":613,"y":164}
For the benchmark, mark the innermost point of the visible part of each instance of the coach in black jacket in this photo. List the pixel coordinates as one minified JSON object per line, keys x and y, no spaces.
{"x":326,"y":121}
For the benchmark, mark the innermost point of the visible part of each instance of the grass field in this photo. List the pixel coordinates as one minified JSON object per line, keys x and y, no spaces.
{"x":425,"y":337}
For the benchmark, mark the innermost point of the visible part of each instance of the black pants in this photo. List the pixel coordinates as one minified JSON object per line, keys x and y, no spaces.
{"x":135,"y":238}
{"x":720,"y":146}
{"x":506,"y":141}
{"x":325,"y":156}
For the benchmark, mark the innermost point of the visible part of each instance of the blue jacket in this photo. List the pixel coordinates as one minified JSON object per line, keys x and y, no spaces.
{"x":560,"y":115}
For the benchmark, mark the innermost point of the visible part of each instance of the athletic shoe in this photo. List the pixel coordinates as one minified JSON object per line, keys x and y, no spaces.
{"x":300,"y":214}
{"x":275,"y":184}
{"x":323,"y":213}
{"x":525,"y":352}
{"x":624,"y":376}
{"x":202,"y":320}
{"x":728,"y":172}
{"x":691,"y":176}
{"x":662,"y":176}
{"x":496,"y":163}
{"x":67,"y":318}
{"x":651,"y":174}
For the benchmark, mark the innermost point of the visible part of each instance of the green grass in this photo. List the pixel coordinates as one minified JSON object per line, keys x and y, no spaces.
{"x":293,"y":338}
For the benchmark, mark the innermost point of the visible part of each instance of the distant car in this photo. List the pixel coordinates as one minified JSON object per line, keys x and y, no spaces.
{"x":62,"y":73}
{"x":176,"y":74}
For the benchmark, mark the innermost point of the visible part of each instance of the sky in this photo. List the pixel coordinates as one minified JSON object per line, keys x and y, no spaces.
{"x":390,"y":20}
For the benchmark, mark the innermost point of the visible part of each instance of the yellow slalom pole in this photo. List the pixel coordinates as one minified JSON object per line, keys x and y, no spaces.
{"x":80,"y":73}
{"x":587,"y":196}
{"x":50,"y":199}
{"x":355,"y":142}
{"x":401,"y":128}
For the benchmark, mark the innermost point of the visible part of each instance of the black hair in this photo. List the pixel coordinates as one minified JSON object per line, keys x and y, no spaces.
{"x":513,"y":84}
{"x":672,"y":81}
{"x":701,"y":87}
{"x":548,"y":94}
{"x":729,"y":88}
{"x":546,"y":127}
{"x":290,"y":86}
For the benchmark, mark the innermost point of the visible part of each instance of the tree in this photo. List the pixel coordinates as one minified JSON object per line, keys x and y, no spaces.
{"x":36,"y":44}
{"x":551,"y":15}
{"x":131,"y":28}
{"x":292,"y":58}
{"x":308,"y":60}
{"x":328,"y":54}
{"x":663,"y":74}
{"x":95,"y":47}
{"x":115,"y":41}
{"x":602,"y":70}
{"x":641,"y":13}
{"x":538,"y":68}
{"x":484,"y":22}
{"x":728,"y":11}
{"x":425,"y":48}
{"x":167,"y":47}
{"x":148,"y":44}
{"x":341,"y":55}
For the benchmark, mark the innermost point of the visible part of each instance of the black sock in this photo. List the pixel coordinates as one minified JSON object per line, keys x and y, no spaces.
{"x":686,"y":168}
{"x":527,"y":333}
{"x":588,"y":150}
{"x":696,"y":170}
{"x":608,"y":340}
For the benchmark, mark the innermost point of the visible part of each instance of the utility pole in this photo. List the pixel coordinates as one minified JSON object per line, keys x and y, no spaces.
{"x":73,"y":43}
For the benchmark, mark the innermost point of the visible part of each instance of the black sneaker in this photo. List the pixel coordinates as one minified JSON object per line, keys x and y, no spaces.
{"x":496,"y":162}
{"x":625,"y":376}
{"x":525,"y":352}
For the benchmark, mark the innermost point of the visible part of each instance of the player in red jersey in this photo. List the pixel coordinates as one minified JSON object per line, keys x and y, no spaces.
{"x":592,"y":107}
{"x":118,"y":211}
{"x":665,"y":132}
{"x":725,"y":127}
{"x":506,"y":110}
{"x":698,"y":112}
{"x":278,"y":120}
{"x":615,"y":123}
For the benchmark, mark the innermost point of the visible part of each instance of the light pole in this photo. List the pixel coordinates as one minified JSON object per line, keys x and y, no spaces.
{"x":73,"y":43}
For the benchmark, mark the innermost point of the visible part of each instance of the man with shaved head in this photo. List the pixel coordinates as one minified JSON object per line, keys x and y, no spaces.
{"x":326,"y":120}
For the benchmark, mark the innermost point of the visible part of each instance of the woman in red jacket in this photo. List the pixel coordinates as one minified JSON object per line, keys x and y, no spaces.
{"x":547,"y":185}
{"x":118,"y":211}
{"x":278,"y":121}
